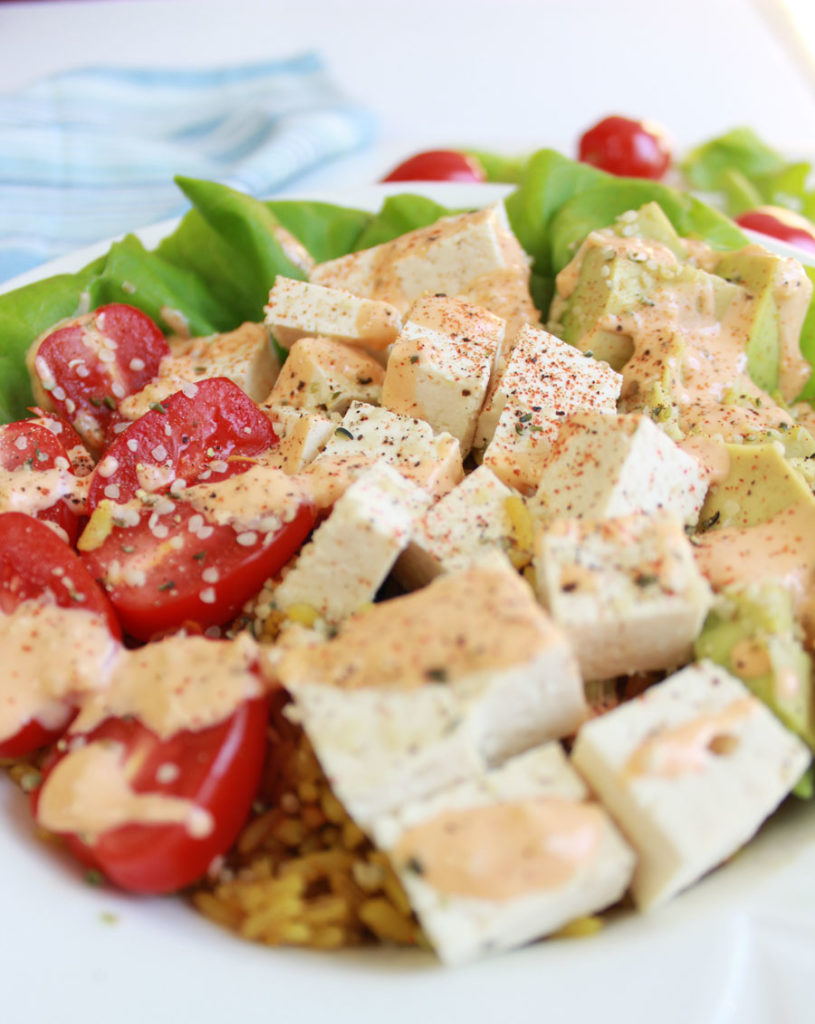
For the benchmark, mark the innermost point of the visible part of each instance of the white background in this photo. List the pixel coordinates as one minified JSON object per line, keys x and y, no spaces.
{"x":507,"y":74}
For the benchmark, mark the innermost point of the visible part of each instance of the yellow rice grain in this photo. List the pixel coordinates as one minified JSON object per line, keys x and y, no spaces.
{"x":580,"y":927}
{"x":386,"y":922}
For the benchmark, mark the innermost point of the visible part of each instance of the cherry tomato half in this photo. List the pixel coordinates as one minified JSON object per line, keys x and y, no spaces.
{"x":619,"y":145}
{"x":438,"y":165}
{"x":197,"y":573}
{"x":192,"y":430}
{"x":218,"y":769}
{"x":27,"y":450}
{"x":162,"y":564}
{"x":35,"y":565}
{"x":85,"y":367}
{"x":785,"y":225}
{"x":82,"y":462}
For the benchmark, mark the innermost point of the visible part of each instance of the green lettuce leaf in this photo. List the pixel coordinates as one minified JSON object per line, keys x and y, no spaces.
{"x":743,"y":172}
{"x":326,"y":230}
{"x":559,"y":201}
{"x":740,"y":148}
{"x":499,"y":168}
{"x":399,"y":214}
{"x":170,"y":294}
{"x":228,"y":241}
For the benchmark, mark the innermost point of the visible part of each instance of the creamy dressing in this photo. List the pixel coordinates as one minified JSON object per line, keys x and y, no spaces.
{"x":688,"y":340}
{"x":689,"y":747}
{"x":503,"y":851}
{"x":263,"y":498}
{"x":782,"y":550}
{"x":428,"y":636}
{"x":89,"y":792}
{"x":181,"y":682}
{"x":51,"y":657}
{"x":33,"y":490}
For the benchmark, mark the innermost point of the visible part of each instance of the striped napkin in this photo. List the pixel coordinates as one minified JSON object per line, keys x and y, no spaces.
{"x":91,"y":153}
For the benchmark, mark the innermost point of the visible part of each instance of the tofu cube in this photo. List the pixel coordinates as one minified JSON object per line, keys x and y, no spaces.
{"x":440,"y":366}
{"x":424,"y":690}
{"x":602,"y":466}
{"x":545,"y":381}
{"x":298,"y":309}
{"x":689,"y":770}
{"x":479,"y":515}
{"x":303,"y":435}
{"x":433,"y":461}
{"x":245,"y":356}
{"x":326,"y":376}
{"x":552,"y":379}
{"x":626,"y":591}
{"x":351,"y":552}
{"x":495,"y":862}
{"x":473,"y":254}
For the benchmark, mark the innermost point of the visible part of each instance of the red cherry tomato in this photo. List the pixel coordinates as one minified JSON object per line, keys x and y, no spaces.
{"x":198,"y":574}
{"x":88,"y":365}
{"x":28,"y":449}
{"x":162,"y":564}
{"x":35,"y":565}
{"x":438,"y":165}
{"x":785,"y":225}
{"x":190,"y":431}
{"x":218,"y":769}
{"x":619,"y":145}
{"x":82,"y":462}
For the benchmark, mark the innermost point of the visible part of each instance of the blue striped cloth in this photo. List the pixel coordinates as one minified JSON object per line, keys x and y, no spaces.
{"x":91,"y":153}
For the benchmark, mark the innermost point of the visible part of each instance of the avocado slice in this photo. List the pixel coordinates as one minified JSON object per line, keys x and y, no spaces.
{"x":759,"y":484}
{"x":650,"y":222}
{"x":780,"y":292}
{"x":600,"y":286}
{"x":751,"y":633}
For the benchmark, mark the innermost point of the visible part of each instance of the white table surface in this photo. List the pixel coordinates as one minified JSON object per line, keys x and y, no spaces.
{"x":505,"y":74}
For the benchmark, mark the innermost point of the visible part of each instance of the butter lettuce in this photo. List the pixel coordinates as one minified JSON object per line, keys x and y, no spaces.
{"x":744,"y":172}
{"x":215,"y":270}
{"x":559,"y":201}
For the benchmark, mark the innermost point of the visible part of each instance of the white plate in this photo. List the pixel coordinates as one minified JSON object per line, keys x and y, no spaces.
{"x":736,"y":949}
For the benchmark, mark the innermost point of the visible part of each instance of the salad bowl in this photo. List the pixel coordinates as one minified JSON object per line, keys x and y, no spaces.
{"x":738,"y":947}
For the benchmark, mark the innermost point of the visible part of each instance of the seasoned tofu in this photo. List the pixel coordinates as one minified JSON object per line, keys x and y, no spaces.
{"x":245,"y":355}
{"x":303,"y":435}
{"x":440,"y":366}
{"x":497,"y":861}
{"x":298,"y":309}
{"x":552,"y":379}
{"x":350,"y":554}
{"x":472,"y":255}
{"x":689,"y":770}
{"x":367,"y":432}
{"x":626,"y":591}
{"x":326,"y":376}
{"x":425,"y":690}
{"x":545,"y":381}
{"x":602,"y":466}
{"x":478,"y":516}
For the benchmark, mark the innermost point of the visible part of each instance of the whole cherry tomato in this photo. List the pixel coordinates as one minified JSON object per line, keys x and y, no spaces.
{"x":785,"y":225}
{"x":438,"y":165}
{"x":622,"y":146}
